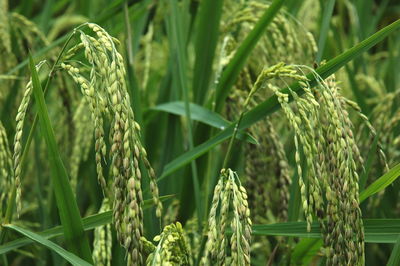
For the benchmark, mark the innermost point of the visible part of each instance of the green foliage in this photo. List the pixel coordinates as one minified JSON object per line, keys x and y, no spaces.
{"x":159,"y":100}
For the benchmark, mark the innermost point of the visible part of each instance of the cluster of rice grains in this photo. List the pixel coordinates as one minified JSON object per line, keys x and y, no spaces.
{"x":326,"y":153}
{"x":285,"y":40}
{"x":328,"y":183}
{"x":102,"y":243}
{"x":229,"y":207}
{"x":107,"y":95}
{"x":6,"y":167}
{"x":172,"y":248}
{"x":102,"y":82}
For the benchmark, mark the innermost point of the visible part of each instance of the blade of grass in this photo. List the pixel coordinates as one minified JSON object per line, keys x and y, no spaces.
{"x":271,"y":104}
{"x":70,"y":257}
{"x":376,"y":230}
{"x":177,"y":42}
{"x":89,"y":223}
{"x":326,"y":18}
{"x":75,"y":236}
{"x":381,"y":183}
{"x":394,"y":259}
{"x":201,"y":114}
{"x":230,"y":74}
{"x":305,"y":251}
{"x":205,"y":45}
{"x":198,"y":113}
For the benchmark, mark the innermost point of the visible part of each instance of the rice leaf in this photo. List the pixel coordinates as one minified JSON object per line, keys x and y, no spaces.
{"x":201,"y":114}
{"x":395,"y":255}
{"x":305,"y":250}
{"x":75,"y":236}
{"x":326,"y":18}
{"x":381,"y":183}
{"x":70,"y":257}
{"x":376,"y":230}
{"x":205,"y":44}
{"x":89,"y":223}
{"x":177,"y":41}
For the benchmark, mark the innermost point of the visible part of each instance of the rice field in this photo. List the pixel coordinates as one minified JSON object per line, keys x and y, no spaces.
{"x":199,"y":132}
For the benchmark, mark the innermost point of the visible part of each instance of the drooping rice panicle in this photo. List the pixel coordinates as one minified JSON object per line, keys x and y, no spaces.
{"x":172,"y":247}
{"x":230,"y":197}
{"x":102,"y":243}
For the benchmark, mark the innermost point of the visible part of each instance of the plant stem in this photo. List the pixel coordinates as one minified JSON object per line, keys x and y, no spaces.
{"x":231,"y":141}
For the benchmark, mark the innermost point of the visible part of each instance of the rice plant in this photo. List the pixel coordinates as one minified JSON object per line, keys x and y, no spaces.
{"x":199,"y":132}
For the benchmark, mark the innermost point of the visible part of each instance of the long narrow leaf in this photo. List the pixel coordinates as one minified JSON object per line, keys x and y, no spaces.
{"x":198,"y":113}
{"x":89,"y":223}
{"x":381,"y":183}
{"x":75,"y":236}
{"x":394,"y":259}
{"x":326,"y":17}
{"x":70,"y":257}
{"x":177,"y":41}
{"x":376,"y":230}
{"x":201,"y":114}
{"x":305,"y":250}
{"x":206,"y":42}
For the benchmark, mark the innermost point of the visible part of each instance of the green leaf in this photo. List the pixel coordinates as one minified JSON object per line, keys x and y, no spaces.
{"x":326,"y":17}
{"x":305,"y":250}
{"x":230,"y":74}
{"x":381,"y":183}
{"x":376,"y":230}
{"x":177,"y":42}
{"x":394,"y":259}
{"x":198,"y":113}
{"x":89,"y":223}
{"x":70,"y":257}
{"x":271,"y":105}
{"x":205,"y":44}
{"x":201,"y":114}
{"x":75,"y":236}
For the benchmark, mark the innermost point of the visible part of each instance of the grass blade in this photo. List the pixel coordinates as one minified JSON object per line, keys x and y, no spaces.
{"x":326,"y":17}
{"x":381,"y":183}
{"x":305,"y":250}
{"x":201,"y":114}
{"x":70,"y":257}
{"x":395,"y":255}
{"x":75,"y":236}
{"x":271,"y":105}
{"x":177,"y":41}
{"x":89,"y":223}
{"x":205,"y":44}
{"x":376,"y":230}
{"x":230,"y":74}
{"x":198,"y":113}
